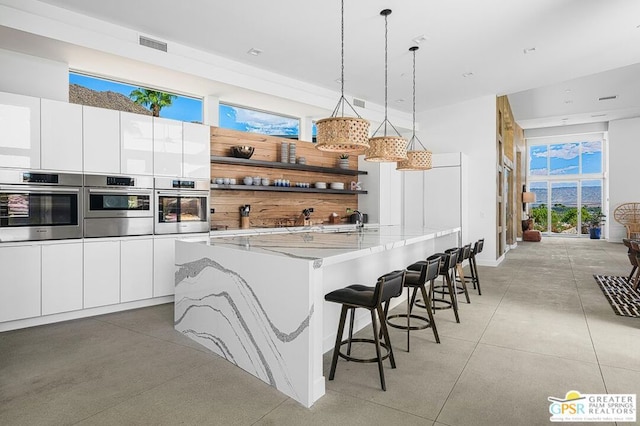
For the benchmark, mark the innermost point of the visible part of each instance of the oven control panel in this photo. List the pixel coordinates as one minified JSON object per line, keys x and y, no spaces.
{"x":177,"y":183}
{"x":29,"y":177}
{"x":120,"y":181}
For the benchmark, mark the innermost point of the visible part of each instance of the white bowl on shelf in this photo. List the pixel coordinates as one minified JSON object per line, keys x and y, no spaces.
{"x":336,"y":185}
{"x":320,"y":185}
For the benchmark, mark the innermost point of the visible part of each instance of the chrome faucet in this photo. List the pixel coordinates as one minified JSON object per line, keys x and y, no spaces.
{"x":359,"y":219}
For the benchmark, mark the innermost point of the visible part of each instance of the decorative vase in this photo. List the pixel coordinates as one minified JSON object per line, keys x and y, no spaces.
{"x":343,"y":163}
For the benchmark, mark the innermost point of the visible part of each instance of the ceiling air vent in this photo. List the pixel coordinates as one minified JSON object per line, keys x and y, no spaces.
{"x":608,"y":98}
{"x":358,"y":102}
{"x":154,"y":44}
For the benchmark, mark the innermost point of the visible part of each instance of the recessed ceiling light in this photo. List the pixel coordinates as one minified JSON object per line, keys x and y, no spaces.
{"x":253,"y":51}
{"x":568,"y":101}
{"x":567,"y":91}
{"x":420,"y":39}
{"x":528,"y":50}
{"x":400,"y":100}
{"x":467,"y":74}
{"x":608,"y":98}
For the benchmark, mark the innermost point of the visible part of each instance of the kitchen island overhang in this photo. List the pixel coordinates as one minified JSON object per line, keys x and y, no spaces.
{"x":258,"y":300}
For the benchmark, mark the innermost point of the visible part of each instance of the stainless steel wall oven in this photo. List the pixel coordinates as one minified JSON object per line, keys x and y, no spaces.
{"x":118,"y":206}
{"x":39,"y":206}
{"x":182,"y":205}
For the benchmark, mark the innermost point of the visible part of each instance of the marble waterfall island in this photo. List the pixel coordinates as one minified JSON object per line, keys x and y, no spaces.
{"x":258,"y":300}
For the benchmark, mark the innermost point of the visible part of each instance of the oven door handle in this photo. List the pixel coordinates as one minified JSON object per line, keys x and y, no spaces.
{"x":183,"y":193}
{"x":39,"y":189}
{"x":120,"y":191}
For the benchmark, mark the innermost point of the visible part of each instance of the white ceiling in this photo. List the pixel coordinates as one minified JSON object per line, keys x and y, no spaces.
{"x":573,"y":40}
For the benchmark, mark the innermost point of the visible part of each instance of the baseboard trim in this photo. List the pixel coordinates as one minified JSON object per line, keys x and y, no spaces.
{"x":84,"y":313}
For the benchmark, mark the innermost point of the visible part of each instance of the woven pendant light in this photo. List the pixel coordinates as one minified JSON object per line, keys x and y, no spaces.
{"x":340,"y":133}
{"x":386,"y":148}
{"x":416,"y":159}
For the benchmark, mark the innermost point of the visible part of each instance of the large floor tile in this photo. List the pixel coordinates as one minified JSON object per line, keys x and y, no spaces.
{"x":213,"y":393}
{"x":420,"y":383}
{"x":542,"y":331}
{"x":339,"y":409}
{"x":514,"y":390}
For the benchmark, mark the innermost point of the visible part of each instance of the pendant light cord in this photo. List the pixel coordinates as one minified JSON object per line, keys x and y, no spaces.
{"x":414,"y":92}
{"x":342,"y":101}
{"x":386,"y":32}
{"x":414,"y":138}
{"x":386,"y":13}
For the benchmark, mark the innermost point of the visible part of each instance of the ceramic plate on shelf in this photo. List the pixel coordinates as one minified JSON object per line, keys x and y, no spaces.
{"x":337,"y":185}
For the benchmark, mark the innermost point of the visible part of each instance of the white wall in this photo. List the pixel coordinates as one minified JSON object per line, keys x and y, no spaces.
{"x":470,"y":127}
{"x":624,"y":152}
{"x":33,"y":76}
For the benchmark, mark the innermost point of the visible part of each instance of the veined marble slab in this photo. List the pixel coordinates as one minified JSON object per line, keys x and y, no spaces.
{"x":258,"y":300}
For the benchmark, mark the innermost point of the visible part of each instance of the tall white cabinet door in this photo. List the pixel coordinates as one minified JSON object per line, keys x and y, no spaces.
{"x":164,"y":266}
{"x":136,"y":276}
{"x":61,"y":278}
{"x":101,"y":140}
{"x":60,"y":136}
{"x":19,"y":131}
{"x":196,"y":146}
{"x":443,"y":197}
{"x":20,"y":282}
{"x":167,"y":147}
{"x":136,"y":144}
{"x":101,"y":273}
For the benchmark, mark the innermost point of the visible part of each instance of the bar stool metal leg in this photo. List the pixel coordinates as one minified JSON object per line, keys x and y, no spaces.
{"x":336,"y":348}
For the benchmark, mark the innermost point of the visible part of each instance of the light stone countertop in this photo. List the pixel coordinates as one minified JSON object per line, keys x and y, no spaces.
{"x":327,"y":244}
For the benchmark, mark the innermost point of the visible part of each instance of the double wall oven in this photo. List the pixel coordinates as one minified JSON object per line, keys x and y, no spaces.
{"x":118,"y":206}
{"x":40,"y":206}
{"x":182,"y":205}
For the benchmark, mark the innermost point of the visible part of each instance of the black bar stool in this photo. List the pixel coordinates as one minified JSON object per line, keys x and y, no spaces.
{"x":473,"y":266}
{"x":417,"y":277}
{"x":359,"y":296}
{"x":448,"y":263}
{"x":459,"y":272}
{"x":457,"y":276}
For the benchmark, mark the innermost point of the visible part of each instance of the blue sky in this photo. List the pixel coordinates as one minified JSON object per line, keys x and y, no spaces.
{"x":249,"y":120}
{"x":183,"y":108}
{"x":564,"y":159}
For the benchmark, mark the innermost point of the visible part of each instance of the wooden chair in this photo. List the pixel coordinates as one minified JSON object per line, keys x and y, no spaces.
{"x":628,"y":214}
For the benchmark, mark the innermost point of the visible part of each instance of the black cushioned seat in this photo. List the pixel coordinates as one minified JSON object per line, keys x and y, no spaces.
{"x":360,"y":296}
{"x":419,"y":275}
{"x":447,"y":265}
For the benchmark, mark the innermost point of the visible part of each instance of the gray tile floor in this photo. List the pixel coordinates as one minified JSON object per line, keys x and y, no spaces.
{"x":541,"y":328}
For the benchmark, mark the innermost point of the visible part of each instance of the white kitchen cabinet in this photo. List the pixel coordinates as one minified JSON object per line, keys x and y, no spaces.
{"x":164,"y":269}
{"x":101,"y":140}
{"x":101,"y":273}
{"x":136,"y":144}
{"x":60,"y":136}
{"x":136,"y":273}
{"x":167,"y":147}
{"x":20,"y":282}
{"x":196,"y":155}
{"x":19,"y":131}
{"x":436,"y":198}
{"x":163,"y":266}
{"x":61,"y":277}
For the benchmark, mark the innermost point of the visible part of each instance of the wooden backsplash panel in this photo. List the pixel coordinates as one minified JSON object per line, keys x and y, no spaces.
{"x":270,"y":209}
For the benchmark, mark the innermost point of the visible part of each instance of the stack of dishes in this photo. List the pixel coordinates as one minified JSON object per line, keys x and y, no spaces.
{"x":321,"y":185}
{"x":336,"y":185}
